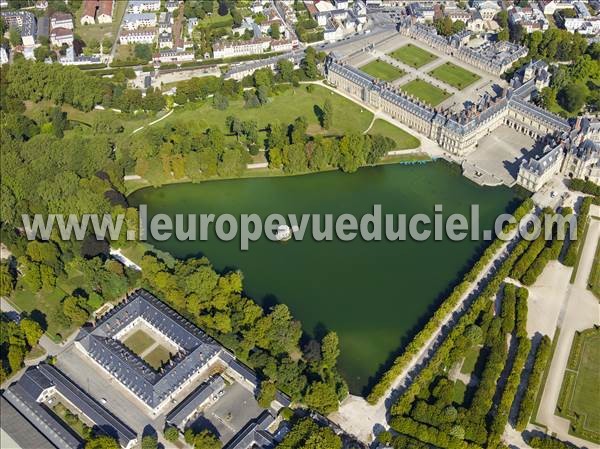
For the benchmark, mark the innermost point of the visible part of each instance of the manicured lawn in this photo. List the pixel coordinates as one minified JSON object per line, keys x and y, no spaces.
{"x":470,"y":360}
{"x":454,"y":75}
{"x":413,"y":56}
{"x":285,"y":108}
{"x":594,"y":280}
{"x":74,"y":422}
{"x":382,"y":70}
{"x":580,"y":392}
{"x":404,"y":140}
{"x":459,"y":392}
{"x":138,"y":342}
{"x":425,"y":92}
{"x":158,"y":357}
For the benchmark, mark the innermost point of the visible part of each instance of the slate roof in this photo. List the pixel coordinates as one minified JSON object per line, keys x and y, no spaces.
{"x":23,"y":433}
{"x":179,"y":415}
{"x":254,"y":435}
{"x":151,"y":387}
{"x":25,"y":394}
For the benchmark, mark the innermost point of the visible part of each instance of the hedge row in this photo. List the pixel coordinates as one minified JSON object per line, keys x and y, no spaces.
{"x":548,"y":443}
{"x":585,"y":186}
{"x":431,"y":435}
{"x":549,"y":253}
{"x":426,"y":374}
{"x":533,"y":383}
{"x":502,"y":412}
{"x":508,"y":312}
{"x":449,"y":303}
{"x":521,"y":312}
{"x":573,"y":249}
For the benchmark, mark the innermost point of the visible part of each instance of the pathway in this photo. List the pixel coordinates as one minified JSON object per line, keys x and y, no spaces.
{"x":580,"y":311}
{"x":155,"y":121}
{"x":359,"y":418}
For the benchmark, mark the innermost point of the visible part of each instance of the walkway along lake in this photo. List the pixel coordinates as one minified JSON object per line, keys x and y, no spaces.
{"x":375,"y":295}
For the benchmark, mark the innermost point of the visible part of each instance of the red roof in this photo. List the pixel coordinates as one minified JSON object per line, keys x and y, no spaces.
{"x":103,"y":7}
{"x":59,"y":31}
{"x":106,"y":7}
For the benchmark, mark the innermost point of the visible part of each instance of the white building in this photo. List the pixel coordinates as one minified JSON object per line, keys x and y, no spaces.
{"x":3,"y":56}
{"x":171,"y":56}
{"x":60,"y":36}
{"x":165,"y":22}
{"x":165,"y":40}
{"x":171,"y":5}
{"x":138,"y":6}
{"x":229,"y":49}
{"x":192,"y":22}
{"x":281,"y":45}
{"x":530,"y":18}
{"x":133,"y":21}
{"x":488,"y":9}
{"x":141,"y":36}
{"x":549,"y":7}
{"x":61,"y":20}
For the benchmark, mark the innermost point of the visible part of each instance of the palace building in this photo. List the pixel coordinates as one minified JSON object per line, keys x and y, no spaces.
{"x":459,"y":133}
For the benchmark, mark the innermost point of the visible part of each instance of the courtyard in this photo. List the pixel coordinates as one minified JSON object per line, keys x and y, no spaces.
{"x":454,"y":75}
{"x":229,"y":414}
{"x":499,"y":154}
{"x":155,"y":351}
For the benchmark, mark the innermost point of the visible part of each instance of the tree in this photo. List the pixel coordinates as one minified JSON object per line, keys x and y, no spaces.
{"x":220,"y":101}
{"x":285,"y":68}
{"x":322,"y":397}
{"x":444,"y":26}
{"x":327,"y":118}
{"x":171,"y":434}
{"x":275,"y":33}
{"x":572,"y":97}
{"x":143,"y":51}
{"x":149,"y":442}
{"x":15,"y":357}
{"x":32,"y":330}
{"x":59,"y":121}
{"x":309,"y":64}
{"x":102,"y":442}
{"x":206,"y":440}
{"x":266,"y":394}
{"x":14,"y":37}
{"x":330,"y":350}
{"x":73,"y":309}
{"x":7,"y":280}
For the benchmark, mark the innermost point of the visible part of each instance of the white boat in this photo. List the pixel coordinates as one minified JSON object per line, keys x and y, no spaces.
{"x":284,"y":233}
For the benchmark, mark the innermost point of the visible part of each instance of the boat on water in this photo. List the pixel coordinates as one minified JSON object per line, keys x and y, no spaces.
{"x":284,"y":232}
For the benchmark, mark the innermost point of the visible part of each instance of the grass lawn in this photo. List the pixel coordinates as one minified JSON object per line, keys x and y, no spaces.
{"x":404,"y":140}
{"x":382,"y":70}
{"x":44,"y":307}
{"x":413,"y":56}
{"x":459,"y":392}
{"x":470,"y":360}
{"x":158,"y":357}
{"x":454,"y":75}
{"x":62,"y":411}
{"x":594,"y":279}
{"x":285,"y":108}
{"x":581,"y":387}
{"x":138,"y":342}
{"x":36,"y":351}
{"x":425,"y":92}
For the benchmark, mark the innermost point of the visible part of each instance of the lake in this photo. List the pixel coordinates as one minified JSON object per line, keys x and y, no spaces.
{"x":375,"y":295}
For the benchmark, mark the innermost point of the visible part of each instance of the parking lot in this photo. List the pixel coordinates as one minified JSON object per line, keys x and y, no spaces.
{"x":230,"y":413}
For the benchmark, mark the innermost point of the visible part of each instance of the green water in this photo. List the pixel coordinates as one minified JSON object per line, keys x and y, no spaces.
{"x":375,"y":295}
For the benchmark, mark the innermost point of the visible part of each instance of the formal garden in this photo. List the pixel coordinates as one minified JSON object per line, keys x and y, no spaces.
{"x":454,"y":75}
{"x":382,"y":70}
{"x":413,"y":56}
{"x":426,"y":92}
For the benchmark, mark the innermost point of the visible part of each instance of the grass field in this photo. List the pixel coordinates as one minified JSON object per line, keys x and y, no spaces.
{"x":138,"y":342}
{"x":459,"y":392}
{"x":425,"y":92}
{"x":470,"y":360}
{"x":158,"y":357}
{"x":594,"y":279}
{"x":74,"y":422}
{"x":404,"y":141}
{"x":413,"y":56}
{"x":454,"y":75}
{"x":285,"y":108}
{"x":382,"y":70}
{"x":580,"y":391}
